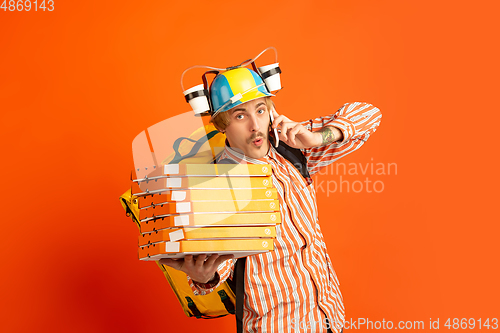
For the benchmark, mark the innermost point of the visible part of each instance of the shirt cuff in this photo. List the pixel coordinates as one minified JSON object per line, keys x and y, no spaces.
{"x":204,"y":288}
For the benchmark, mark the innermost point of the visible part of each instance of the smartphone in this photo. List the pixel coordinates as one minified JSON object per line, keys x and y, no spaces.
{"x":277,"y":139}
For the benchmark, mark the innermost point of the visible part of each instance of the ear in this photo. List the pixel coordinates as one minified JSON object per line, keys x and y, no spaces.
{"x":218,"y":128}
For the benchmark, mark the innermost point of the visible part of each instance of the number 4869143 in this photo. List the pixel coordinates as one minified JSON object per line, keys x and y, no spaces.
{"x":27,"y":5}
{"x":470,"y":323}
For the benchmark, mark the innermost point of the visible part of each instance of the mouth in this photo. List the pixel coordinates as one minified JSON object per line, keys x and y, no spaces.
{"x":258,"y":141}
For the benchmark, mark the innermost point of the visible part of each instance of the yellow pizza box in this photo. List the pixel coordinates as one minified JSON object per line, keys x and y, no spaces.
{"x":207,"y":170}
{"x":209,"y":207}
{"x":217,"y":169}
{"x":221,"y":246}
{"x":226,"y":182}
{"x":208,"y":220}
{"x":202,"y":195}
{"x":176,"y":234}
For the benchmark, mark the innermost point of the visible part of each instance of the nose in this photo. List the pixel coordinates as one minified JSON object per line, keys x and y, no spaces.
{"x":254,"y":124}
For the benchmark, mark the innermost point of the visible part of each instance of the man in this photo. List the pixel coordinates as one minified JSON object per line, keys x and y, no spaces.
{"x":294,"y":287}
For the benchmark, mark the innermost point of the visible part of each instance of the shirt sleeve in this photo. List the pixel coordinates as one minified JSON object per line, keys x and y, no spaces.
{"x":357,"y":121}
{"x":224,"y":271}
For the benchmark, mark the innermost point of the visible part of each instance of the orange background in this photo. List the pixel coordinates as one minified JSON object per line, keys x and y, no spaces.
{"x":79,"y":83}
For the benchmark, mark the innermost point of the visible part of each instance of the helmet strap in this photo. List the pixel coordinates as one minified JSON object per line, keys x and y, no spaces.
{"x":205,"y":85}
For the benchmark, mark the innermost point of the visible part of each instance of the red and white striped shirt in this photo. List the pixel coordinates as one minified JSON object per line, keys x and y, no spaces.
{"x":294,"y":287}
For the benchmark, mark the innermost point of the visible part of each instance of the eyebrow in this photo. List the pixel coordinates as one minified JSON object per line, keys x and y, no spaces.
{"x":245,"y":110}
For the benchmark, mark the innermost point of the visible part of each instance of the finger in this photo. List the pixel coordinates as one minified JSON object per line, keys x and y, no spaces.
{"x":221,"y":259}
{"x":177,"y":264}
{"x":285,"y":128}
{"x":291,"y":137}
{"x":274,"y":113}
{"x":188,"y":261}
{"x":282,"y":135}
{"x":210,"y":261}
{"x":200,"y":260}
{"x":278,"y":120}
{"x":293,"y":132}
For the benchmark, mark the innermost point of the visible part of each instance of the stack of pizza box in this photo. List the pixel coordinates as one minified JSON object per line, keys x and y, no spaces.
{"x":191,"y":209}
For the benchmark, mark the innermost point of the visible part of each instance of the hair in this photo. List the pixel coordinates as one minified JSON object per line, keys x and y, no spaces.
{"x":222,"y":120}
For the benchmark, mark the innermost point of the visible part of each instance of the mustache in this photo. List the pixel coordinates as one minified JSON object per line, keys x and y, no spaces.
{"x":255,"y":136}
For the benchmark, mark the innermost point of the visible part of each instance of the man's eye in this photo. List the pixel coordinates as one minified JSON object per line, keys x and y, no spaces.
{"x":240,"y":116}
{"x":261,"y":111}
